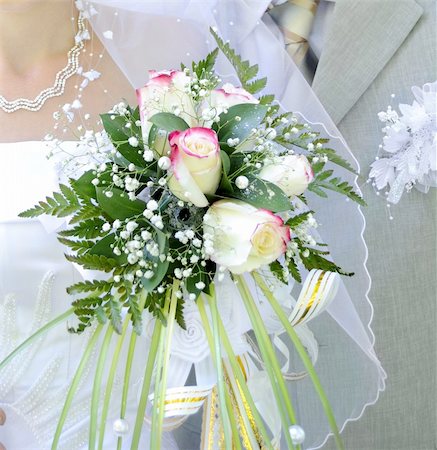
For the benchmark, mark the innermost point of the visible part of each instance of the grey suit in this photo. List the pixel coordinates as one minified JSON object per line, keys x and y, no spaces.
{"x":375,"y":48}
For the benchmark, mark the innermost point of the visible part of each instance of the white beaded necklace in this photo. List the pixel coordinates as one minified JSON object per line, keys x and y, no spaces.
{"x":58,"y":88}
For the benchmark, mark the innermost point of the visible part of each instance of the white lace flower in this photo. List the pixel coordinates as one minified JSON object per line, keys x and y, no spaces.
{"x":411,"y":141}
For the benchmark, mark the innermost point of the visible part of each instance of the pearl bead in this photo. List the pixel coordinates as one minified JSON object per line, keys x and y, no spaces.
{"x":164,"y":163}
{"x":297,"y":434}
{"x":120,"y":427}
{"x":242,"y":182}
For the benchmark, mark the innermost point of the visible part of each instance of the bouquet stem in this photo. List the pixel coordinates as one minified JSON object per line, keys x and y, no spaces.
{"x":74,"y":385}
{"x":110,"y":382}
{"x":35,"y":335}
{"x":156,"y":339}
{"x":96,"y":387}
{"x":162,"y":370}
{"x":283,"y":401}
{"x":304,"y":356}
{"x":226,"y":408}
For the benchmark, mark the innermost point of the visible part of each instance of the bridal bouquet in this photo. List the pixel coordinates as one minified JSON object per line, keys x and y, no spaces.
{"x":203,"y":183}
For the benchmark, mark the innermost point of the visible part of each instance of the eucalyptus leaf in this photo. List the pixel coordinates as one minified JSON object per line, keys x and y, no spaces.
{"x":119,"y":206}
{"x":251,"y":115}
{"x":119,"y":134}
{"x":263,"y":194}
{"x":103,"y":248}
{"x":169,"y":122}
{"x":83,"y":185}
{"x":158,"y":272}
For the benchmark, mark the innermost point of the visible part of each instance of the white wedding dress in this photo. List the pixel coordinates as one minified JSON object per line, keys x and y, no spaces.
{"x":34,"y":275}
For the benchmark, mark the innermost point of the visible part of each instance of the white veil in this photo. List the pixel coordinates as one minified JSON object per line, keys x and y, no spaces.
{"x":150,"y":34}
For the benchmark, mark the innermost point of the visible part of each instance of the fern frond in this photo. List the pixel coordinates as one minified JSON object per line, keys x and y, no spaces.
{"x":93,"y":262}
{"x":245,"y":72}
{"x":95,"y":286}
{"x":59,"y":205}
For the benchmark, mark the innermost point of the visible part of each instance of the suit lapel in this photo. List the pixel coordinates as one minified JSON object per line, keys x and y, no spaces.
{"x":363,"y":36}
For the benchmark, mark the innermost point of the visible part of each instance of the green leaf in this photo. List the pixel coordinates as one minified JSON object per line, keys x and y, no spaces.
{"x":93,"y":262}
{"x":88,"y":211}
{"x":266,"y":99}
{"x":225,"y":184}
{"x":113,"y":310}
{"x":96,"y":286}
{"x":278,"y":271}
{"x":169,"y":122}
{"x":120,"y":135}
{"x":83,"y":185}
{"x":263,"y":194}
{"x":87,"y":229}
{"x":226,"y":162}
{"x":317,"y":261}
{"x":119,"y":206}
{"x":337,"y":185}
{"x":334,"y":158}
{"x":298,"y":220}
{"x":80,"y":246}
{"x":134,"y":311}
{"x":59,"y":205}
{"x":103,"y":248}
{"x":294,"y":271}
{"x":244,"y":70}
{"x":161,"y":269}
{"x":206,"y":65}
{"x":152,"y":136}
{"x":251,"y":117}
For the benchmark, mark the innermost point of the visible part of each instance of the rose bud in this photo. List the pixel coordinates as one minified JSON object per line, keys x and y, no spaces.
{"x":229,"y":95}
{"x":165,"y":92}
{"x":195,"y":164}
{"x":292,"y":173}
{"x":243,"y":238}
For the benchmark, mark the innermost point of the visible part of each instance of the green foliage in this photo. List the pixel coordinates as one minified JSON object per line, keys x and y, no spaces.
{"x":298,"y":219}
{"x":278,"y":271}
{"x":263,"y":194}
{"x":333,"y":157}
{"x":169,"y":122}
{"x":251,"y":115}
{"x":59,"y":205}
{"x":119,"y":206}
{"x":80,"y":246}
{"x":205,"y":66}
{"x":246,"y":73}
{"x":93,"y":262}
{"x":115,"y":126}
{"x":95,"y":286}
{"x":88,"y":211}
{"x":294,"y":270}
{"x":323,"y":181}
{"x":86,"y":229}
{"x":160,"y":271}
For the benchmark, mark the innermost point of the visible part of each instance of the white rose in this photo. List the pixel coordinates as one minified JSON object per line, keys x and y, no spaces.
{"x":165,"y":92}
{"x":292,"y":173}
{"x":195,"y":164}
{"x":244,"y":238}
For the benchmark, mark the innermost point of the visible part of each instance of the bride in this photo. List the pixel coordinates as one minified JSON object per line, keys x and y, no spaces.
{"x":56,"y":75}
{"x":36,"y":42}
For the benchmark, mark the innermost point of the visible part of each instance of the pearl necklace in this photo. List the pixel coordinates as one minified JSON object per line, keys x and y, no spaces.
{"x":61,"y":77}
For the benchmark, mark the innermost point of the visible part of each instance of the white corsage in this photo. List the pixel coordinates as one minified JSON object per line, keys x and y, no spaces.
{"x":410,"y":146}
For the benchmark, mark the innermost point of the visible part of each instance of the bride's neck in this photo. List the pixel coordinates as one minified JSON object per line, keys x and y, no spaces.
{"x":32,"y":31}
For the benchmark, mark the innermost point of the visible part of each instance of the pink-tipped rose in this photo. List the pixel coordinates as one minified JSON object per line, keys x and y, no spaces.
{"x":165,"y":92}
{"x":229,"y":95}
{"x":195,"y":164}
{"x":243,"y":238}
{"x":292,"y":173}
